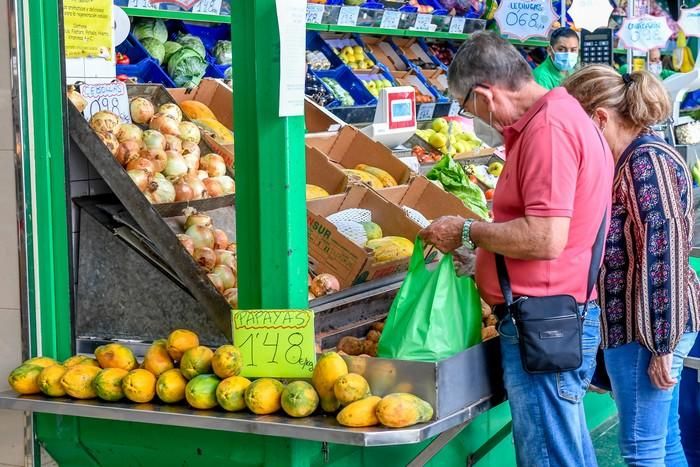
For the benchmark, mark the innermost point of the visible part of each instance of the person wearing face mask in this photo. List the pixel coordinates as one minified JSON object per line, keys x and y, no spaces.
{"x":649,"y":294}
{"x":563,"y":52}
{"x":551,"y":204}
{"x":655,"y":66}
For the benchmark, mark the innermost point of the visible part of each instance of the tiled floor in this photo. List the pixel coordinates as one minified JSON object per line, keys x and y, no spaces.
{"x":606,"y":448}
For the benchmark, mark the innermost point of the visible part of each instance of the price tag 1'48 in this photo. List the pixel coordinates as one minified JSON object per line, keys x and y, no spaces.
{"x":275,"y":343}
{"x":210,"y":7}
{"x":109,"y":96}
{"x":314,"y":13}
{"x":348,"y":15}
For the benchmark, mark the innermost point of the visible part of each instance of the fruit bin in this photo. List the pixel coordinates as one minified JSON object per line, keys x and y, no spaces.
{"x":315,"y":43}
{"x":351,"y":83}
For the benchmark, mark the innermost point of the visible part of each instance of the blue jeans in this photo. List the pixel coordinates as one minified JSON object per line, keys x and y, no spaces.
{"x":649,"y":432}
{"x":549,"y":424}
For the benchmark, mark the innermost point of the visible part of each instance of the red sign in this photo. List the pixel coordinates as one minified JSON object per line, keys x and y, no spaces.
{"x":401,"y":109}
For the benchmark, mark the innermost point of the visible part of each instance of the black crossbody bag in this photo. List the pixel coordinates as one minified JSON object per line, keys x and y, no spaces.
{"x":550,"y":328}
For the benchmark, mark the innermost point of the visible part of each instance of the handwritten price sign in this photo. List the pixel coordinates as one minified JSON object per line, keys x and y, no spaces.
{"x":212,"y":7}
{"x":275,"y":343}
{"x":690,"y":21}
{"x":644,"y":33}
{"x":522,"y":19}
{"x":109,"y":96}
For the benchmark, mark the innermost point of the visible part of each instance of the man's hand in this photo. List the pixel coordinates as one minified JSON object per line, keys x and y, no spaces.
{"x":445,"y":233}
{"x":660,"y":371}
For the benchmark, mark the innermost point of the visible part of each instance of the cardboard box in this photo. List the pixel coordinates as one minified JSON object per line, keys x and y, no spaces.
{"x":321,"y":172}
{"x":428,"y":199}
{"x":320,"y":120}
{"x":386,"y":54}
{"x":350,"y":147}
{"x":334,"y":253}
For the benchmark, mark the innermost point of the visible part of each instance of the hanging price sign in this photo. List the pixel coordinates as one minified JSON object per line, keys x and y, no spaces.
{"x":314,"y":13}
{"x":275,"y":343}
{"x":210,"y":7}
{"x":690,"y":21}
{"x":109,"y":96}
{"x":426,"y":111}
{"x":591,"y":14}
{"x":141,"y":4}
{"x":457,"y":24}
{"x":423,"y":22}
{"x":390,"y":19}
{"x":644,"y":33}
{"x":523,"y":19}
{"x":455,"y":107}
{"x":348,"y":15}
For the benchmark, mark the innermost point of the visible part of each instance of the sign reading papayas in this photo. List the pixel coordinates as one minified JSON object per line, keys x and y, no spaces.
{"x":88,"y":28}
{"x":275,"y":343}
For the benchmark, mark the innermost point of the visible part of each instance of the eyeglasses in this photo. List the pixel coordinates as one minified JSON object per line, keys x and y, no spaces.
{"x":462,"y":110}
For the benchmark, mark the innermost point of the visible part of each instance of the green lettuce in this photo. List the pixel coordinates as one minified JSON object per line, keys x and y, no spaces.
{"x":153,"y":28}
{"x":170,"y":48}
{"x":186,"y":67}
{"x":454,"y":180}
{"x":155,"y":48}
{"x":222,"y":52}
{"x":193,"y":42}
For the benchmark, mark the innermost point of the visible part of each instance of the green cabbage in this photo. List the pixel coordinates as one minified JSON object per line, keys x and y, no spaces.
{"x":194,"y":43}
{"x":170,"y":48}
{"x":222,"y":52}
{"x":454,"y":180}
{"x":155,"y":48}
{"x":154,"y":28}
{"x":227,"y":73}
{"x":186,"y":67}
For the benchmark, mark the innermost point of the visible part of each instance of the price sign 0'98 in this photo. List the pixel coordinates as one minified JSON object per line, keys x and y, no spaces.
{"x":523,"y":19}
{"x":275,"y":343}
{"x":109,"y":96}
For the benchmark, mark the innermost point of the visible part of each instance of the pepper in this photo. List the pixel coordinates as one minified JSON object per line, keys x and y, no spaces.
{"x":122,"y":59}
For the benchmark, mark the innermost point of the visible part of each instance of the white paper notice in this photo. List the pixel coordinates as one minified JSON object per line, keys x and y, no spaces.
{"x":291,"y":17}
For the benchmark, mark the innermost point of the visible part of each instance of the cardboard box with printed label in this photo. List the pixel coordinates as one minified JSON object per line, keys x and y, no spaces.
{"x":332,"y":252}
{"x":323,"y":173}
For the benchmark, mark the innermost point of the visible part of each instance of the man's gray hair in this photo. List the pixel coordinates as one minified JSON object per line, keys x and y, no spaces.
{"x":487,"y":58}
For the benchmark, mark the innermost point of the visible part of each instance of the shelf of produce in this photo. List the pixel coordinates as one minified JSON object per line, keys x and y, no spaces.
{"x":319,"y":428}
{"x":181,"y":15}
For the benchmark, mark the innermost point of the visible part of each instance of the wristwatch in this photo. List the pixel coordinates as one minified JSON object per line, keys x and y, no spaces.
{"x":467,"y":235}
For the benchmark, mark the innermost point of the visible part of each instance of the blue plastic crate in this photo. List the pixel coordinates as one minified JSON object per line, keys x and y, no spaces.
{"x":147,"y":71}
{"x":437,"y":8}
{"x":209,"y":34}
{"x":426,"y":48}
{"x":351,"y":83}
{"x":315,"y":42}
{"x":133,"y":49}
{"x":439,"y":97}
{"x":215,"y":71}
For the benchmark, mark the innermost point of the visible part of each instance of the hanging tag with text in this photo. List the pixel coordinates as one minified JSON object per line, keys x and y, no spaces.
{"x":314,"y":13}
{"x":111,"y":97}
{"x":209,"y":7}
{"x":457,"y":25}
{"x":644,"y":33}
{"x":390,"y":19}
{"x":523,"y":19}
{"x":348,"y":15}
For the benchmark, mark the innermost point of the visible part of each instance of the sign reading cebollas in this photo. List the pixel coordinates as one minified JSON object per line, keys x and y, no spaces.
{"x":644,"y":33}
{"x":522,"y":19}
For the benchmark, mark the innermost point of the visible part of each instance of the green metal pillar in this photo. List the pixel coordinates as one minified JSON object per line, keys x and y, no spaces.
{"x":270,"y":168}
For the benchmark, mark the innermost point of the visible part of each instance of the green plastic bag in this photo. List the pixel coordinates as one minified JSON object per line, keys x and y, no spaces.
{"x":435,"y":315}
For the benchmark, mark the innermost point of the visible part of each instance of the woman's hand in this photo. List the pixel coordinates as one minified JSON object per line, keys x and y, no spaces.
{"x":660,"y":371}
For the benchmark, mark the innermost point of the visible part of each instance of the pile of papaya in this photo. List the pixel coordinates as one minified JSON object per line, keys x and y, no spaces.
{"x":179,"y":369}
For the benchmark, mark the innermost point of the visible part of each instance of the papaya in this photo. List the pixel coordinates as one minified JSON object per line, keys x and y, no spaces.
{"x":364,"y":177}
{"x":196,"y":110}
{"x":77,"y":381}
{"x":108,"y":384}
{"x":314,"y":192}
{"x":350,"y":388}
{"x":170,"y":386}
{"x":180,"y":341}
{"x":230,"y":394}
{"x":50,"y":380}
{"x":221,"y":134}
{"x":299,"y":399}
{"x":227,"y":361}
{"x":390,"y":248}
{"x":400,"y":410}
{"x":80,"y":360}
{"x":329,"y":368}
{"x":116,"y":356}
{"x":373,"y":231}
{"x":360,"y":413}
{"x":43,"y":362}
{"x":201,"y":392}
{"x":139,"y":386}
{"x":157,"y":359}
{"x":196,"y":361}
{"x":383,"y":176}
{"x":24,"y":379}
{"x":263,"y":396}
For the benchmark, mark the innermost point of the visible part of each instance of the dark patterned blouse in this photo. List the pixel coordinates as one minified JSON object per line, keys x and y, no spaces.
{"x":649,"y":293}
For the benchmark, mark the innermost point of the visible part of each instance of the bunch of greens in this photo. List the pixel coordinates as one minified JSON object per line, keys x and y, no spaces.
{"x":454,"y":180}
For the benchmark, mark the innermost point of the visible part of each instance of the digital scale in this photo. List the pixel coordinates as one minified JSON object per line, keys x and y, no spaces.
{"x":395,"y":119}
{"x":597,"y":47}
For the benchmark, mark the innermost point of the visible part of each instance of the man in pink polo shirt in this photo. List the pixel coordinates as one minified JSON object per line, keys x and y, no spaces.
{"x":548,"y":206}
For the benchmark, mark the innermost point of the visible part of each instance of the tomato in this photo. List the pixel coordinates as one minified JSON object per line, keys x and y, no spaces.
{"x":489,"y":194}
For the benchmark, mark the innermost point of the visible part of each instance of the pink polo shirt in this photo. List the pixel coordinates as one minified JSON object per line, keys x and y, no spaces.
{"x":557,"y":166}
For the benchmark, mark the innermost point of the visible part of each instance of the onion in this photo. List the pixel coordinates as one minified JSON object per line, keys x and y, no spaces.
{"x":202,"y":174}
{"x":173,"y":143}
{"x":227,"y":258}
{"x":172,"y":111}
{"x":189,"y":147}
{"x":231,"y":296}
{"x":192,"y":217}
{"x":324,"y":284}
{"x":140,"y":178}
{"x":311,"y":296}
{"x":192,"y":161}
{"x":220,"y":239}
{"x":189,"y":132}
{"x":201,"y":236}
{"x":198,"y":189}
{"x":227,"y":184}
{"x":214,"y":164}
{"x":157,"y":156}
{"x":165,"y":124}
{"x":129,"y":132}
{"x":183,"y":190}
{"x":127,"y":151}
{"x":141,"y":163}
{"x":153,"y":139}
{"x":109,"y":140}
{"x":206,"y":259}
{"x":226,"y":274}
{"x":162,"y":191}
{"x":186,"y":243}
{"x":216,"y":280}
{"x":141,"y":110}
{"x":213,"y":187}
{"x":232,"y":247}
{"x":76,"y":98}
{"x":105,"y":121}
{"x":176,"y":166}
